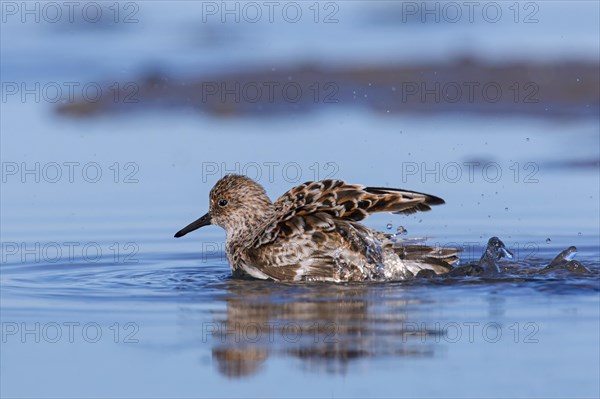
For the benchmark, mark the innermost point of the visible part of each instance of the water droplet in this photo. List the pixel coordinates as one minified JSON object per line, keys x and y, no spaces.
{"x":420,"y":220}
{"x":401,"y":230}
{"x":393,"y":88}
{"x":527,"y":139}
{"x":578,"y":79}
{"x":369,"y":84}
{"x":506,"y":209}
{"x":548,"y":241}
{"x":579,"y":233}
{"x":365,"y":96}
{"x":389,"y":226}
{"x":388,"y":111}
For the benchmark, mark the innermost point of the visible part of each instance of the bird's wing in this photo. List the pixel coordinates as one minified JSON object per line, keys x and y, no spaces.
{"x":320,"y":247}
{"x":351,"y":201}
{"x":311,"y":247}
{"x":315,"y":228}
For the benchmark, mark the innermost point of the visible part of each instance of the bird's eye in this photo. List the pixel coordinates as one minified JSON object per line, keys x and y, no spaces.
{"x":222,"y":202}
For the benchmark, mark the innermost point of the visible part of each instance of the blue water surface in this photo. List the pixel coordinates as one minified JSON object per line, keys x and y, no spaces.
{"x":99,"y":300}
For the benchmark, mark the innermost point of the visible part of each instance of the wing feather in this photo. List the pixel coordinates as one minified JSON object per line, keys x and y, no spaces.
{"x":315,"y":234}
{"x":351,"y":201}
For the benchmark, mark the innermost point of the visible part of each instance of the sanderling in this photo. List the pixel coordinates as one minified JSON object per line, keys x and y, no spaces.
{"x":312,"y":232}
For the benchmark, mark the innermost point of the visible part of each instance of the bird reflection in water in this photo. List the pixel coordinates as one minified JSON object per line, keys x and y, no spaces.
{"x":326,"y":326}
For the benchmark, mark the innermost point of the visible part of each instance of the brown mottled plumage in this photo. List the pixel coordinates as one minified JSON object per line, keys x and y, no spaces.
{"x":312,"y":232}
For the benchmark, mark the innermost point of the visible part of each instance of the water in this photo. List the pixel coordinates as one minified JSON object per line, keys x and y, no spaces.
{"x":173,"y":322}
{"x":99,"y":300}
{"x":178,"y":325}
{"x":356,"y":340}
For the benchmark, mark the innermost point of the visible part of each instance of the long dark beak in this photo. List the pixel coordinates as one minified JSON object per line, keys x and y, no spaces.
{"x":203,"y":221}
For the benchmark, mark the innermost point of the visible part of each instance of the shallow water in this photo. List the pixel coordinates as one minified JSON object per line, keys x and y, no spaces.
{"x":174,"y":323}
{"x":121,"y":308}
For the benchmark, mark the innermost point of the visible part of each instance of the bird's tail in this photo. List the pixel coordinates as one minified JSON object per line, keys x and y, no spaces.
{"x":424,"y":257}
